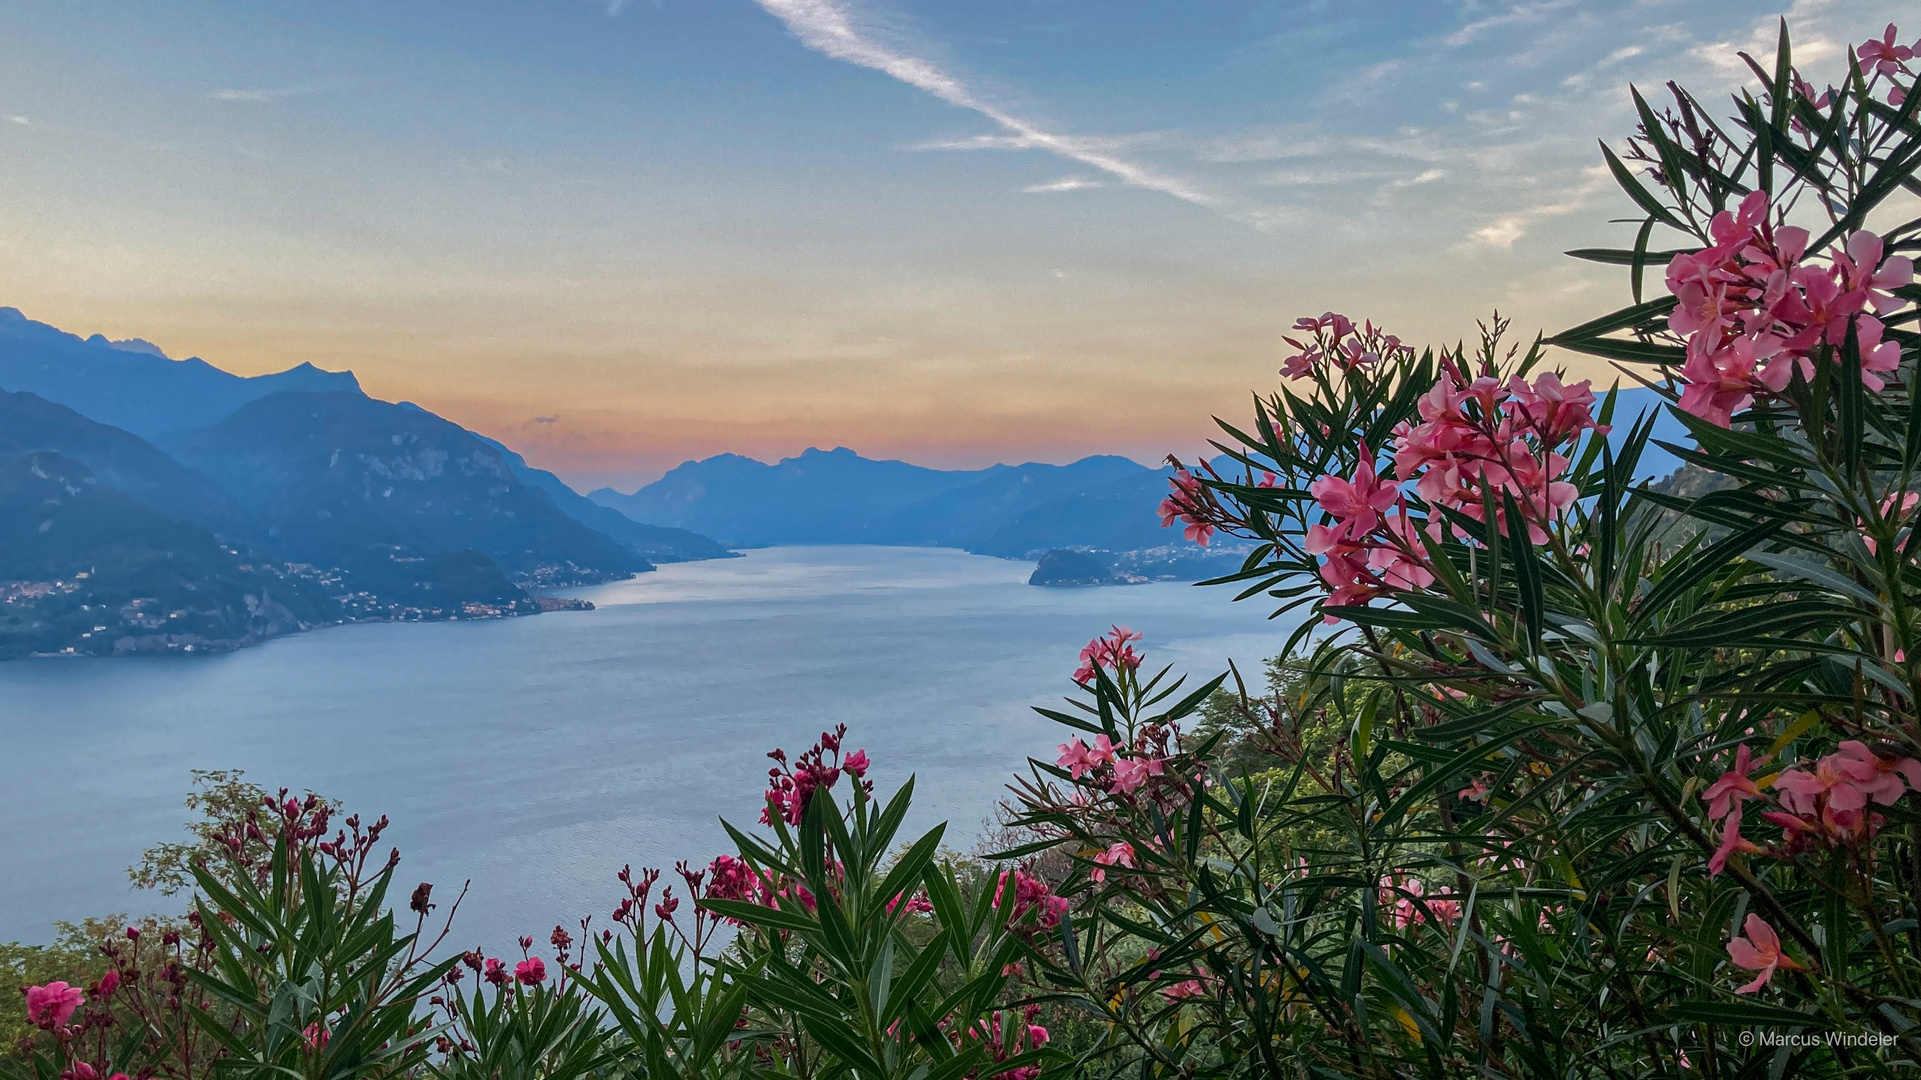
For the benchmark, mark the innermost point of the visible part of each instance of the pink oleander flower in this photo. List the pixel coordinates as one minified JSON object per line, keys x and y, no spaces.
{"x":1754,"y":311}
{"x":107,"y":985}
{"x":1181,"y":991}
{"x":315,"y":1036}
{"x":1879,"y":779}
{"x":1356,"y":505}
{"x":1187,"y":502}
{"x":855,"y":764}
{"x":1898,"y":505}
{"x":1030,"y":893}
{"x":1882,"y":55}
{"x":530,"y":972}
{"x":1120,"y":854}
{"x":1734,"y":786}
{"x":917,"y":904}
{"x":496,"y":972}
{"x":1080,"y":759}
{"x":1760,"y":951}
{"x":1556,"y":412}
{"x":1131,"y":773}
{"x":1113,"y":651}
{"x":52,"y":1005}
{"x":1732,"y":842}
{"x":1804,"y":791}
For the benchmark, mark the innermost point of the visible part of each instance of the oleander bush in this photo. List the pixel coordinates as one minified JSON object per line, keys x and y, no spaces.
{"x":1562,"y":774}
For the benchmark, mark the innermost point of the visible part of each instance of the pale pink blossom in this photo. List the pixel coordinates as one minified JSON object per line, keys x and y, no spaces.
{"x":1732,"y":842}
{"x":1131,"y":773}
{"x":1880,"y":779}
{"x":1760,"y":951}
{"x":1119,"y":854}
{"x":1883,"y":55}
{"x":1727,"y":793}
{"x":1804,"y":791}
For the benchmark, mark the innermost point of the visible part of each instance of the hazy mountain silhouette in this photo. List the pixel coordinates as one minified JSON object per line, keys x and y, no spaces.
{"x":333,"y":475}
{"x":821,"y":497}
{"x":966,"y":516}
{"x":131,"y":384}
{"x":1014,"y":511}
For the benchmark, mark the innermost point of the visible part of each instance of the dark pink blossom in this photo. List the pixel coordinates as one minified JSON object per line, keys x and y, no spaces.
{"x":50,"y":1006}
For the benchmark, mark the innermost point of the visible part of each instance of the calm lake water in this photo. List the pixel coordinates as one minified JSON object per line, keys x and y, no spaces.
{"x":537,"y":755}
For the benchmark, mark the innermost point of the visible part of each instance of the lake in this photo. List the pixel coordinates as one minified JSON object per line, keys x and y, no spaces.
{"x":537,"y":755}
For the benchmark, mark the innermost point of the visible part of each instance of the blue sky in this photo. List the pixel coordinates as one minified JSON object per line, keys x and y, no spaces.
{"x":621,"y":234}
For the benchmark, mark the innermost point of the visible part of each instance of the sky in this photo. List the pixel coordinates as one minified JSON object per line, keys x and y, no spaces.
{"x":621,"y":234}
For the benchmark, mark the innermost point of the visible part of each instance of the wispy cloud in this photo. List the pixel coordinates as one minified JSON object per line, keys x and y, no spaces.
{"x":1065,"y":183}
{"x":262,"y":95}
{"x":1503,"y":231}
{"x":1519,"y":13}
{"x":832,"y":29}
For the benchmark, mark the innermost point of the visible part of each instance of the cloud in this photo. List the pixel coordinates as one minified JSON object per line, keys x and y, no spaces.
{"x":546,"y":420}
{"x":21,"y":120}
{"x":1065,"y":183}
{"x":831,"y":29}
{"x":264,"y":95}
{"x":1427,"y":177}
{"x":1519,"y":13}
{"x":1626,"y":52}
{"x":1505,"y":230}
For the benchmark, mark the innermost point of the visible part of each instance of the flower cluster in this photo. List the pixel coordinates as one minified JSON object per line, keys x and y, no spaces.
{"x":1113,"y":651}
{"x":1411,"y":905}
{"x":1188,"y":504}
{"x":1478,"y":441}
{"x":1755,"y":309}
{"x":1823,"y":806}
{"x":1030,"y":893}
{"x":789,"y":788}
{"x":1019,"y":1036}
{"x":1333,"y":341}
{"x":1119,"y":770}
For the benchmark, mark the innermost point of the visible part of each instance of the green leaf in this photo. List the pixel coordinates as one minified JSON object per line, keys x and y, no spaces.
{"x":1630,"y":184}
{"x":1744,"y":1014}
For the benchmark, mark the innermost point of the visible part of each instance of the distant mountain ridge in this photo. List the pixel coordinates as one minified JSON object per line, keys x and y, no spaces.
{"x":132,"y":384}
{"x":819,"y":497}
{"x":1100,"y":503}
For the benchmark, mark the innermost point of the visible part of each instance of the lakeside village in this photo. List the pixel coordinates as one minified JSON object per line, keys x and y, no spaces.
{"x":148,"y":624}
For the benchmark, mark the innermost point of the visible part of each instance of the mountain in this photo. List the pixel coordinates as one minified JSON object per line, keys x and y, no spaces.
{"x":131,"y":384}
{"x":965,"y":516}
{"x":87,"y":569}
{"x":119,"y":460}
{"x":1119,"y":515}
{"x":820,"y":497}
{"x":1103,"y":505}
{"x":655,"y":543}
{"x":334,"y":476}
